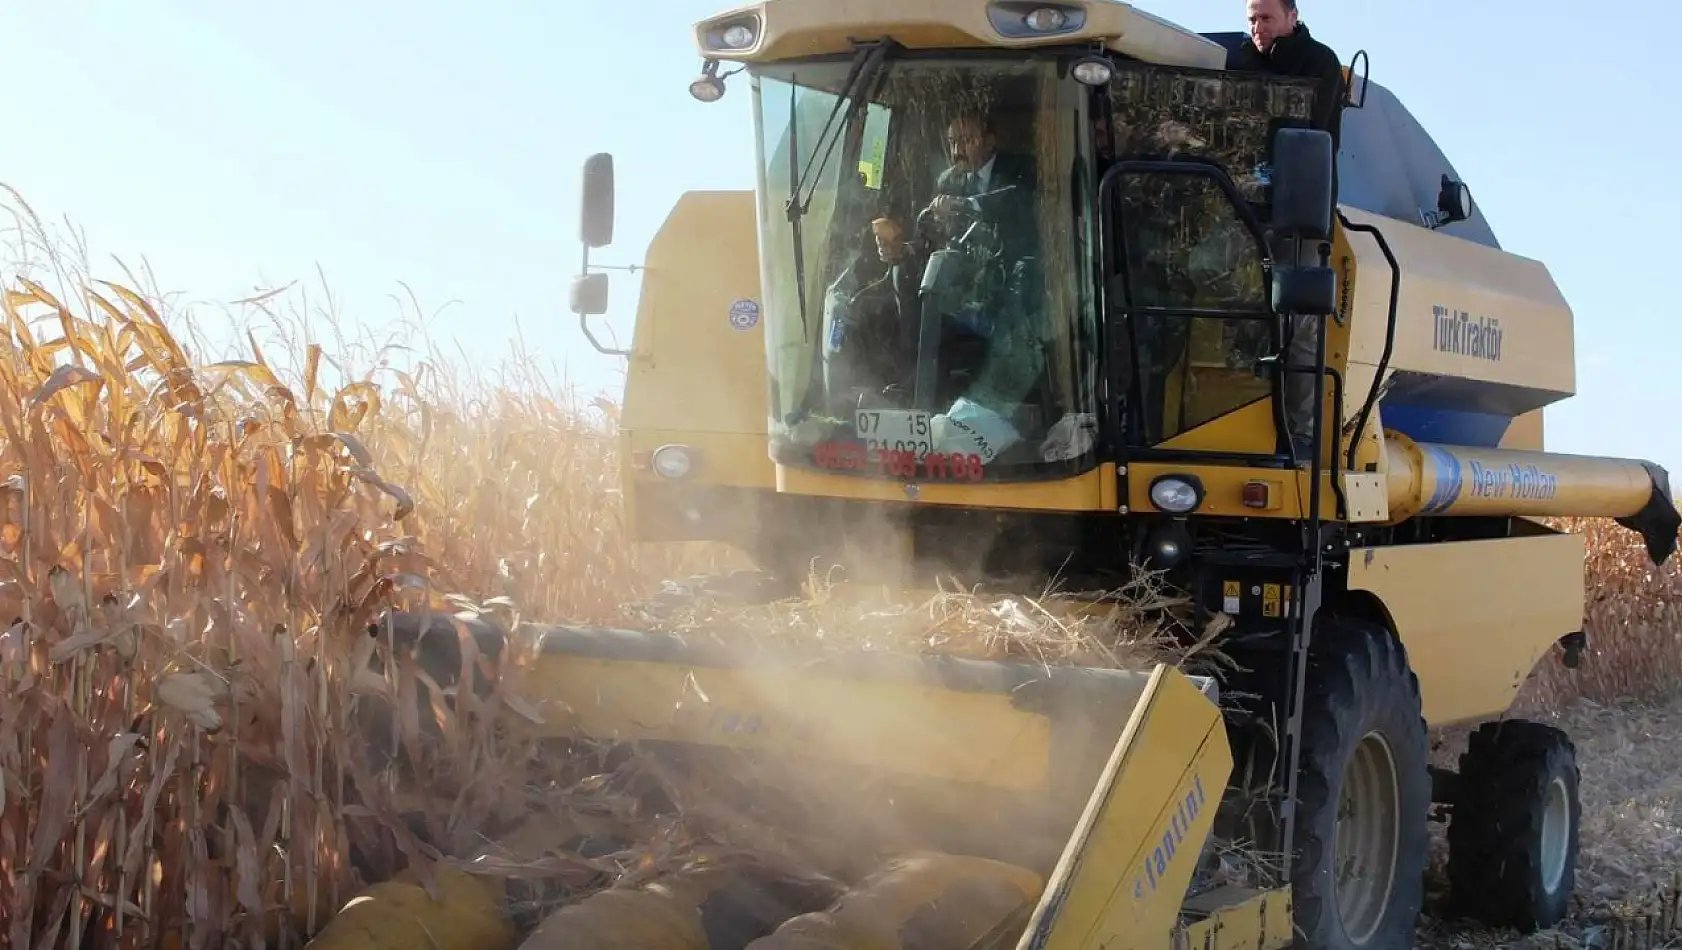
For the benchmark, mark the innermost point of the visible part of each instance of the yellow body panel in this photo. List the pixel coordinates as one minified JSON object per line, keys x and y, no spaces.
{"x":1525,"y":434}
{"x":1093,"y":491}
{"x":722,"y":458}
{"x":968,"y":737}
{"x":1248,"y":429}
{"x":1522,"y":334}
{"x":1235,"y":919}
{"x":790,"y":28}
{"x":726,"y":498}
{"x":696,"y":378}
{"x":693,"y":369}
{"x":1121,"y":880}
{"x":1223,"y":486}
{"x":1475,"y":616}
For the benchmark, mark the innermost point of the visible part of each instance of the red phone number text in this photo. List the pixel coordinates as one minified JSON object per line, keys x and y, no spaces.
{"x":853,"y":457}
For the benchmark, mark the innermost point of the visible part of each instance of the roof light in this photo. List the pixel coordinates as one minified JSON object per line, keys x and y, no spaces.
{"x":710,"y":87}
{"x":1092,"y":71}
{"x":1046,"y":20}
{"x":707,"y":89}
{"x":740,"y":36}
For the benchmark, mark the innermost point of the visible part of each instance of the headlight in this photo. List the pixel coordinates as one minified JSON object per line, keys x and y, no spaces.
{"x":707,"y":89}
{"x":1177,"y":494}
{"x":1092,"y":71}
{"x":730,"y":34}
{"x":672,"y":461}
{"x":739,"y":36}
{"x":1046,"y":20}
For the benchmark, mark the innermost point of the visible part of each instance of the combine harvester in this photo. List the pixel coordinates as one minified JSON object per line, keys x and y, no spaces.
{"x":1106,"y":361}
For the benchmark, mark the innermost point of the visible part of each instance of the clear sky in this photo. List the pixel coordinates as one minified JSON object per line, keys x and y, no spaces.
{"x":237,"y":145}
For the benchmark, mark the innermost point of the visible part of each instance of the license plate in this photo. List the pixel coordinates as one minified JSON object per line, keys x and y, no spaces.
{"x":895,"y":430}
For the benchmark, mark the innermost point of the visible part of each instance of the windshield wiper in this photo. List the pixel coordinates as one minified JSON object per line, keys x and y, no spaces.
{"x":866,"y":64}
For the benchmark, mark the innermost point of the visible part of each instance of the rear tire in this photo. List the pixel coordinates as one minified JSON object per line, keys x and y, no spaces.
{"x":1512,"y":836}
{"x":1364,"y":793}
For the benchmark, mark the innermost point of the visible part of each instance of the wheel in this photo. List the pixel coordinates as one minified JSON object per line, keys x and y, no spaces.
{"x":1363,"y":793}
{"x":1512,"y":834}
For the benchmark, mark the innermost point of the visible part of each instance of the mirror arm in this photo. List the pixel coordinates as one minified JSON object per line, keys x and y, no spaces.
{"x":584,"y":318}
{"x":584,"y":324}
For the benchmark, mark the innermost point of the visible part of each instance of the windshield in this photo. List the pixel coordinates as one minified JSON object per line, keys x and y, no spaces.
{"x":939,"y":235}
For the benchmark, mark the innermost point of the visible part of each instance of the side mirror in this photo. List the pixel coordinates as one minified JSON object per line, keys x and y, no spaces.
{"x":1454,"y":202}
{"x":595,"y":226}
{"x":589,"y":295}
{"x":1302,"y":184}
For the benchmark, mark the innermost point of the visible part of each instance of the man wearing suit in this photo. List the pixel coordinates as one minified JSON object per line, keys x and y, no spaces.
{"x":1010,"y":362}
{"x":978,"y":167}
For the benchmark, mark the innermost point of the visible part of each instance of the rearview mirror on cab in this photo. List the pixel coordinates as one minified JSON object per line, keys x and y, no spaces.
{"x":1303,"y":161}
{"x":589,"y":295}
{"x":595,"y":211}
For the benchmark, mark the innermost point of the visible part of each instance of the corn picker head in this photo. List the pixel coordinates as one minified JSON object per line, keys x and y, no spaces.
{"x":1022,"y":791}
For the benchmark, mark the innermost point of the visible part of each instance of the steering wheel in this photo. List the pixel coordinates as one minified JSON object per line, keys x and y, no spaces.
{"x":968,"y":212}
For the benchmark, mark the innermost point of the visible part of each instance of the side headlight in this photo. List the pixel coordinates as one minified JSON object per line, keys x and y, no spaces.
{"x":1177,"y":494}
{"x":672,"y":462}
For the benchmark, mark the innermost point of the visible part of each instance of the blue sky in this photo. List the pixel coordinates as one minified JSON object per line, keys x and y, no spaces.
{"x":238,"y":145}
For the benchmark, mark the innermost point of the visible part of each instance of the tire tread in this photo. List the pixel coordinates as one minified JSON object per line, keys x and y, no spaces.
{"x":1504,"y":775}
{"x":1358,"y":679}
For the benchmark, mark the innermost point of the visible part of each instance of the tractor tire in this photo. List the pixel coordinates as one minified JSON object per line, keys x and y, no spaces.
{"x":1512,"y":834}
{"x":1364,"y":750}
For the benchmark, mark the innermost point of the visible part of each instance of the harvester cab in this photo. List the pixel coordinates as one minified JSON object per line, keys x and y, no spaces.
{"x":1031,"y":289}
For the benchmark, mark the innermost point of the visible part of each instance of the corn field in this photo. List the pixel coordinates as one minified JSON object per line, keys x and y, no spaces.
{"x":191,"y":551}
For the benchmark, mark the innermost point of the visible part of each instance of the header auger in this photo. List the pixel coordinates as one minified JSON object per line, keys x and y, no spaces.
{"x":1035,"y":289}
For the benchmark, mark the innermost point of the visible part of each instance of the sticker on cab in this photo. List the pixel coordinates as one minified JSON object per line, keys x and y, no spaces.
{"x":744,"y":314}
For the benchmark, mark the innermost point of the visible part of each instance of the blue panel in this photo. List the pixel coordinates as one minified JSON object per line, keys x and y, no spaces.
{"x":1483,"y":430}
{"x":1461,"y":394}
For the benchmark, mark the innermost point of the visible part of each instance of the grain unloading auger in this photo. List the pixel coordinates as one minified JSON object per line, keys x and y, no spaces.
{"x":1145,"y":337}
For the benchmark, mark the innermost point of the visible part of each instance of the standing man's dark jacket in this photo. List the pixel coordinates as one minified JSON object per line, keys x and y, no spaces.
{"x":1301,"y":55}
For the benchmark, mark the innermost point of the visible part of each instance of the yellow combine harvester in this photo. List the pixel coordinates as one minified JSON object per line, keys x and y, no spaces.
{"x":1145,"y":337}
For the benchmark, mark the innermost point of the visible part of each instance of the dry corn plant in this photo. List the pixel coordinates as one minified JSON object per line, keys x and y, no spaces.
{"x":189,"y":555}
{"x":1633,"y":625}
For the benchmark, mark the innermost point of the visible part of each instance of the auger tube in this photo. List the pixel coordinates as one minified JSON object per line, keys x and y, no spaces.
{"x":1431,"y":480}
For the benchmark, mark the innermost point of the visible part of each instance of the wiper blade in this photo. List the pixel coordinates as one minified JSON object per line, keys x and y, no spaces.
{"x":860,"y":73}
